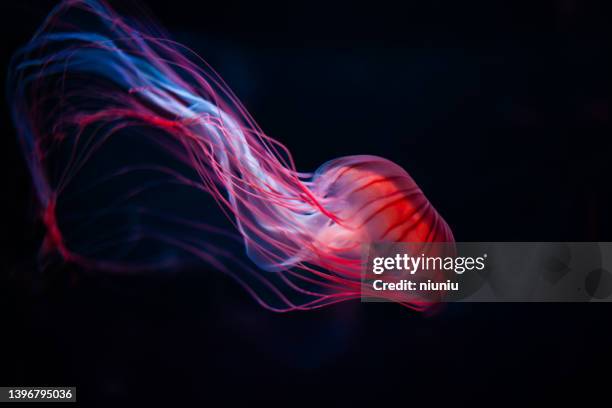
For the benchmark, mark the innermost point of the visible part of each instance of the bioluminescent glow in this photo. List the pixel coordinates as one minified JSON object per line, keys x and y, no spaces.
{"x":139,"y":151}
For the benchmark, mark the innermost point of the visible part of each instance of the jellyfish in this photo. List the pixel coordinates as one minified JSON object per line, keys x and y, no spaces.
{"x":142,"y":158}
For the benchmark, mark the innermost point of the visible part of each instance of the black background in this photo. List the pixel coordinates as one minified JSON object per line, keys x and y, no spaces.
{"x":499,"y":110}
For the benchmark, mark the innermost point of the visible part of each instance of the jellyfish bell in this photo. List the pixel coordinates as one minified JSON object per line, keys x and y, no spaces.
{"x":375,"y":200}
